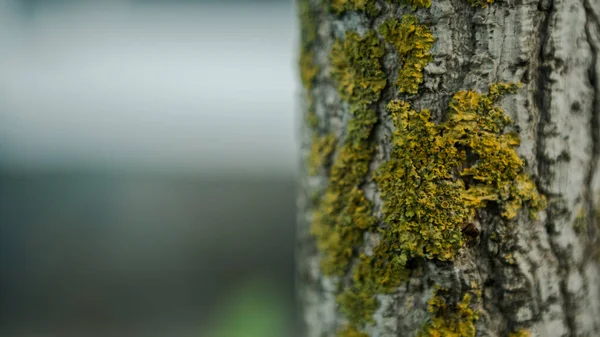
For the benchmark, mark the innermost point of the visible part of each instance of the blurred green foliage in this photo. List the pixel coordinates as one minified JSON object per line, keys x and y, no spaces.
{"x":254,"y":309}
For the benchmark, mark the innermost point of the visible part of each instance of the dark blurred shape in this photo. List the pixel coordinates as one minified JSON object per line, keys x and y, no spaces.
{"x":145,"y":255}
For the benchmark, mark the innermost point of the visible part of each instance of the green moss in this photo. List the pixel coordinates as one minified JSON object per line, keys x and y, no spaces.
{"x":580,"y":224}
{"x":413,"y":43}
{"x":308,"y":36}
{"x":440,"y":174}
{"x":343,"y":213}
{"x":414,"y":3}
{"x":308,"y":70}
{"x":358,"y":305}
{"x":341,"y":6}
{"x":520,"y":333}
{"x":480,"y":3}
{"x":419,"y":3}
{"x":351,"y":332}
{"x":375,"y":274}
{"x":356,"y":68}
{"x":320,"y":153}
{"x":311,"y":118}
{"x":448,"y":319}
{"x":584,"y":225}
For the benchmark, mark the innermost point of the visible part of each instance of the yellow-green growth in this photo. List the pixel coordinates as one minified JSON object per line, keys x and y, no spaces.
{"x":520,"y":333}
{"x":308,"y":35}
{"x":480,"y":3}
{"x":358,"y":305}
{"x":415,"y":3}
{"x":308,"y":70}
{"x":356,"y":68}
{"x":343,"y":213}
{"x":587,"y":222}
{"x":311,"y":117}
{"x":440,"y":174}
{"x":580,"y":223}
{"x":375,"y":274}
{"x":341,"y":6}
{"x":413,"y":43}
{"x":448,"y":319}
{"x":320,"y":152}
{"x":351,"y":332}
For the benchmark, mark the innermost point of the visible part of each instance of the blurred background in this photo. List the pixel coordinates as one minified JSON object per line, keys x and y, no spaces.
{"x":147,"y":162}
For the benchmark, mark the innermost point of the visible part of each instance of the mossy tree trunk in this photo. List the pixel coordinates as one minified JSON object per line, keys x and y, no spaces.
{"x":450,"y":182}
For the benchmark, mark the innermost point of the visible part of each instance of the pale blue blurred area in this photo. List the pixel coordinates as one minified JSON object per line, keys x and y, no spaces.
{"x":147,"y":162}
{"x":182,"y":86}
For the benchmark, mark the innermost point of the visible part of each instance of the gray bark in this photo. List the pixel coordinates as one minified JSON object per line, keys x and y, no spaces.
{"x":550,"y":46}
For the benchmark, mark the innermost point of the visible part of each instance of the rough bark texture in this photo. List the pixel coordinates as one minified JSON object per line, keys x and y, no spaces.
{"x":543,"y":275}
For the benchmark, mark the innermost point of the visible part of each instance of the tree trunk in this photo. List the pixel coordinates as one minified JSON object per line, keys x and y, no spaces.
{"x":423,"y":210}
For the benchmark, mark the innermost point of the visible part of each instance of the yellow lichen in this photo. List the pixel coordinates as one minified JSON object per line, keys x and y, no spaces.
{"x":321,"y":150}
{"x":341,"y":6}
{"x":580,"y":223}
{"x":450,"y":320}
{"x":358,"y":305}
{"x":357,"y":68}
{"x":413,"y":43}
{"x":509,"y":258}
{"x":586,"y":225}
{"x":419,"y":3}
{"x":379,"y":273}
{"x":308,"y":70}
{"x":308,"y":35}
{"x":520,"y":333}
{"x":481,"y":3}
{"x":344,"y":213}
{"x":311,"y":117}
{"x":351,"y":332}
{"x":307,"y":66}
{"x":440,"y":174}
{"x":415,"y":3}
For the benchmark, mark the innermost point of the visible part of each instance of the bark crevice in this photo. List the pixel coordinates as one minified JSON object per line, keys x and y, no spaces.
{"x":592,"y":228}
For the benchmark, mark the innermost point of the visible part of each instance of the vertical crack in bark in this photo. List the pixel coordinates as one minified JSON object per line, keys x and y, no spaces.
{"x":541,"y":99}
{"x":468,"y":65}
{"x":501,"y":58}
{"x":592,"y":19}
{"x":543,"y":104}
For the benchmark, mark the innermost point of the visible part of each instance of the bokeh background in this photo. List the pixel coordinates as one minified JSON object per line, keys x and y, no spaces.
{"x":147,"y":163}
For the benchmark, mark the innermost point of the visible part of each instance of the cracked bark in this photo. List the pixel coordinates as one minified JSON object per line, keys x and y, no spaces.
{"x":552,"y":48}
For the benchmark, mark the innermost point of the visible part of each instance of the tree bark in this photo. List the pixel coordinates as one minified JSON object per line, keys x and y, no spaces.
{"x":538,"y":276}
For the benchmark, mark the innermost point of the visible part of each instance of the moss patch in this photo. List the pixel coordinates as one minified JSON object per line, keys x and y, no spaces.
{"x":448,"y":319}
{"x":320,"y":153}
{"x":357,"y":68}
{"x":308,"y":70}
{"x":481,"y":3}
{"x":585,"y":223}
{"x":343,"y":213}
{"x":413,"y":43}
{"x":440,"y":174}
{"x":366,"y":6}
{"x":520,"y":333}
{"x":351,"y":332}
{"x":308,"y":35}
{"x":415,"y":3}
